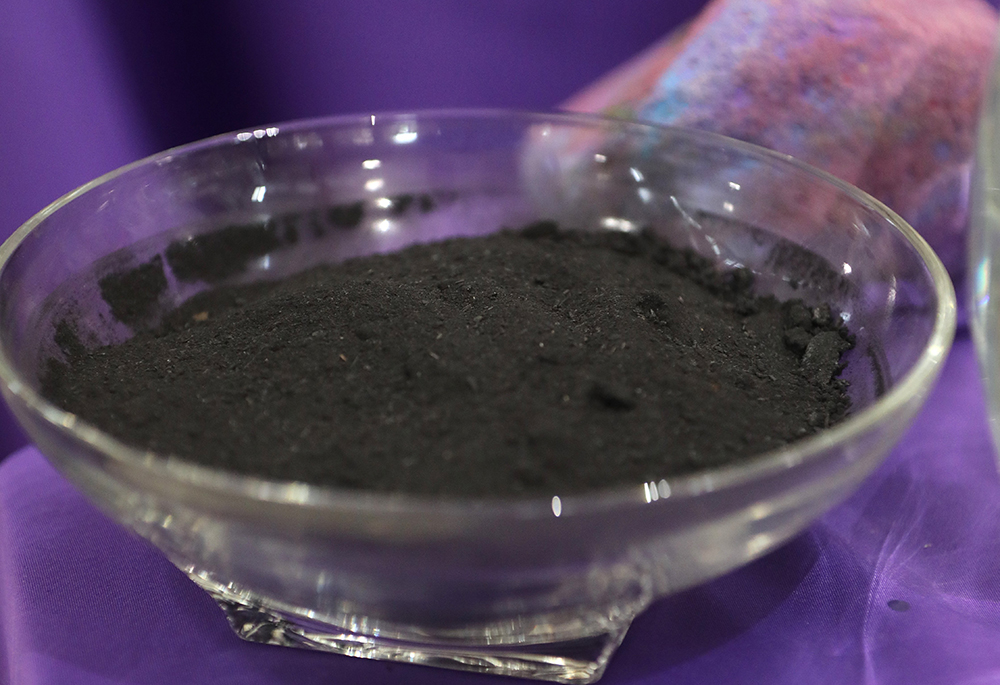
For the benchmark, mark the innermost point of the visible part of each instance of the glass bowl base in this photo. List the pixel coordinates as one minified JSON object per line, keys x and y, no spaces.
{"x":567,"y":658}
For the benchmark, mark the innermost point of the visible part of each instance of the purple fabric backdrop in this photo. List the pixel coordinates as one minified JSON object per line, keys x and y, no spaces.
{"x":897,"y":585}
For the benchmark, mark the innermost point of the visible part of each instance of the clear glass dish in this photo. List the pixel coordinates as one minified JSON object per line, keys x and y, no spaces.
{"x":984,"y":250}
{"x":541,"y":587}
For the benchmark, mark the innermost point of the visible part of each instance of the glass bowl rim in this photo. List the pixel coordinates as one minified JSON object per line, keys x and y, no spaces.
{"x":217,"y":482}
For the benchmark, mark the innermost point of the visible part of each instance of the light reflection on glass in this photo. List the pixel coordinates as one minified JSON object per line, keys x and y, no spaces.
{"x":258,"y":194}
{"x":259,"y":133}
{"x":636,"y":174}
{"x":847,"y":268}
{"x":374,"y":184}
{"x":651,"y":491}
{"x":404,"y":135}
{"x":663,"y":487}
{"x":760,"y":511}
{"x":758,"y":543}
{"x":383,"y":225}
{"x":687,"y":217}
{"x":615,"y":223}
{"x":728,"y":206}
{"x":655,"y":491}
{"x":371,"y":163}
{"x":734,"y":185}
{"x":556,"y":506}
{"x":981,"y":283}
{"x":599,"y":158}
{"x":646,"y":195}
{"x":383,"y":203}
{"x":295,"y":492}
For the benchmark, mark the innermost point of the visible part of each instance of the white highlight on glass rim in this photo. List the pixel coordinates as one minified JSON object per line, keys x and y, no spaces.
{"x":556,"y":506}
{"x":371,"y":163}
{"x":847,"y":268}
{"x":734,"y":185}
{"x":258,"y":194}
{"x":636,"y":174}
{"x":404,"y":136}
{"x":259,"y":133}
{"x":655,"y":491}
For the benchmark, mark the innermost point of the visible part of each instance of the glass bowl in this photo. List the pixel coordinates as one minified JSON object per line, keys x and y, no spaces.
{"x":984,"y":250}
{"x":542,"y":587}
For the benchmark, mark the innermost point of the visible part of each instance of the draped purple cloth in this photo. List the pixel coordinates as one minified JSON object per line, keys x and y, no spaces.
{"x":900,"y":584}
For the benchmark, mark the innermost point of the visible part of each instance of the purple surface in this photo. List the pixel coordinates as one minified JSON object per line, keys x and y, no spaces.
{"x":82,"y":601}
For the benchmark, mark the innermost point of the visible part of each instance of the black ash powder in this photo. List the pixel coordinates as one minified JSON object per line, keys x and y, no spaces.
{"x":527,"y":362}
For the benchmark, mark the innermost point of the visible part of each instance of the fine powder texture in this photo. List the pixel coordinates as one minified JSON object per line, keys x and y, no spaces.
{"x":522,"y":363}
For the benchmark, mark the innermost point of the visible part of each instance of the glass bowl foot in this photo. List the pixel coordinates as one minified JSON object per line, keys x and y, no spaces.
{"x":579,"y":658}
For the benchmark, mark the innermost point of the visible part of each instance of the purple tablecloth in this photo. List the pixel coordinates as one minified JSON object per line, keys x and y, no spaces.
{"x":900,"y":584}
